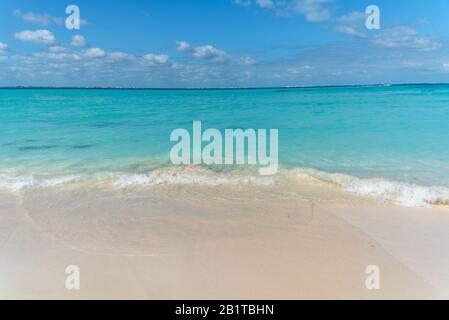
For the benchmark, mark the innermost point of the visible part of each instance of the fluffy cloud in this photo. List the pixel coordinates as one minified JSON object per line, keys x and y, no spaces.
{"x":403,"y":37}
{"x":352,"y":24}
{"x":183,"y":46}
{"x":38,"y":36}
{"x":267,"y":4}
{"x":205,"y":52}
{"x":157,"y":59}
{"x":3,"y":47}
{"x":37,"y":18}
{"x":94,"y":53}
{"x":244,"y":3}
{"x":118,"y":56}
{"x":312,"y":10}
{"x":60,"y":53}
{"x":78,"y":41}
{"x":57,"y":49}
{"x":355,"y":16}
{"x":323,"y":65}
{"x":349,"y":30}
{"x":43,"y":19}
{"x":56,"y":56}
{"x":398,"y":37}
{"x":209,"y":52}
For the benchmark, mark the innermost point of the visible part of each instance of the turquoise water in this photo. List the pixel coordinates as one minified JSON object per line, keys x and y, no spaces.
{"x":397,"y":133}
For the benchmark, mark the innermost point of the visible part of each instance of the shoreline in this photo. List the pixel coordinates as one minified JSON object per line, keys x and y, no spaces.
{"x":213,"y":242}
{"x":402,"y":193}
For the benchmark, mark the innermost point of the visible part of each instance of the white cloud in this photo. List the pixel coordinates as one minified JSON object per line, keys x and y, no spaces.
{"x":78,"y":41}
{"x":403,"y":37}
{"x":57,"y":49}
{"x":157,"y":58}
{"x":209,"y":52}
{"x":267,"y":4}
{"x":38,"y":36}
{"x":183,"y":46}
{"x":38,"y":18}
{"x":118,"y":56}
{"x":313,"y":10}
{"x":94,"y":53}
{"x":205,"y":52}
{"x":3,"y":47}
{"x":243,"y":3}
{"x":398,"y":37}
{"x":57,"y":56}
{"x":352,"y":24}
{"x":43,"y":19}
{"x":355,"y":16}
{"x":351,"y":31}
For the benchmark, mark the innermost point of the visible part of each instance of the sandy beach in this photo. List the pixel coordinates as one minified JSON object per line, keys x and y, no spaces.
{"x":224,"y":150}
{"x":223,"y":242}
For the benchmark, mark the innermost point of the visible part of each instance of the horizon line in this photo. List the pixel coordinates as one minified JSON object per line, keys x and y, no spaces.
{"x":219,"y":88}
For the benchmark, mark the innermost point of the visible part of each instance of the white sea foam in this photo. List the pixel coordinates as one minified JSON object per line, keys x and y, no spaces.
{"x":18,"y":183}
{"x":406,"y":194}
{"x":189,"y":175}
{"x":165,"y":176}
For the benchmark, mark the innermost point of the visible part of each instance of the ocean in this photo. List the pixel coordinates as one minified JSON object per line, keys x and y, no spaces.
{"x":390,"y":142}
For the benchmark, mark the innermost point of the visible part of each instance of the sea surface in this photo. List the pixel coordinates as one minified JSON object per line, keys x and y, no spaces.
{"x":390,"y":142}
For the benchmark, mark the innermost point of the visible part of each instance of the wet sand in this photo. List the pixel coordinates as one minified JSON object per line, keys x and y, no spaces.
{"x":177,"y":242}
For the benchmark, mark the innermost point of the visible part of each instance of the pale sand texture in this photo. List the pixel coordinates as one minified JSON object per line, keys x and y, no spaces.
{"x":216,"y":243}
{"x":416,"y":237}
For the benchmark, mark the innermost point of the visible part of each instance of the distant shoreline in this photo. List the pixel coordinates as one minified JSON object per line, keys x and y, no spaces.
{"x":225,"y":88}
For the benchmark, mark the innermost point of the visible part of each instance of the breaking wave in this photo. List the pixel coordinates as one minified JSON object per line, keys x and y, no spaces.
{"x":190,"y":175}
{"x":406,"y":194}
{"x":18,"y":183}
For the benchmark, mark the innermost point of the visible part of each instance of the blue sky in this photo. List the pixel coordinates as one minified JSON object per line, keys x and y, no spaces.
{"x":222,"y":43}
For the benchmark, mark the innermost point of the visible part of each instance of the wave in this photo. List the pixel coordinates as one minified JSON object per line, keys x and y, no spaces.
{"x":406,"y":194}
{"x":18,"y":183}
{"x":189,"y":175}
{"x":163,"y":176}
